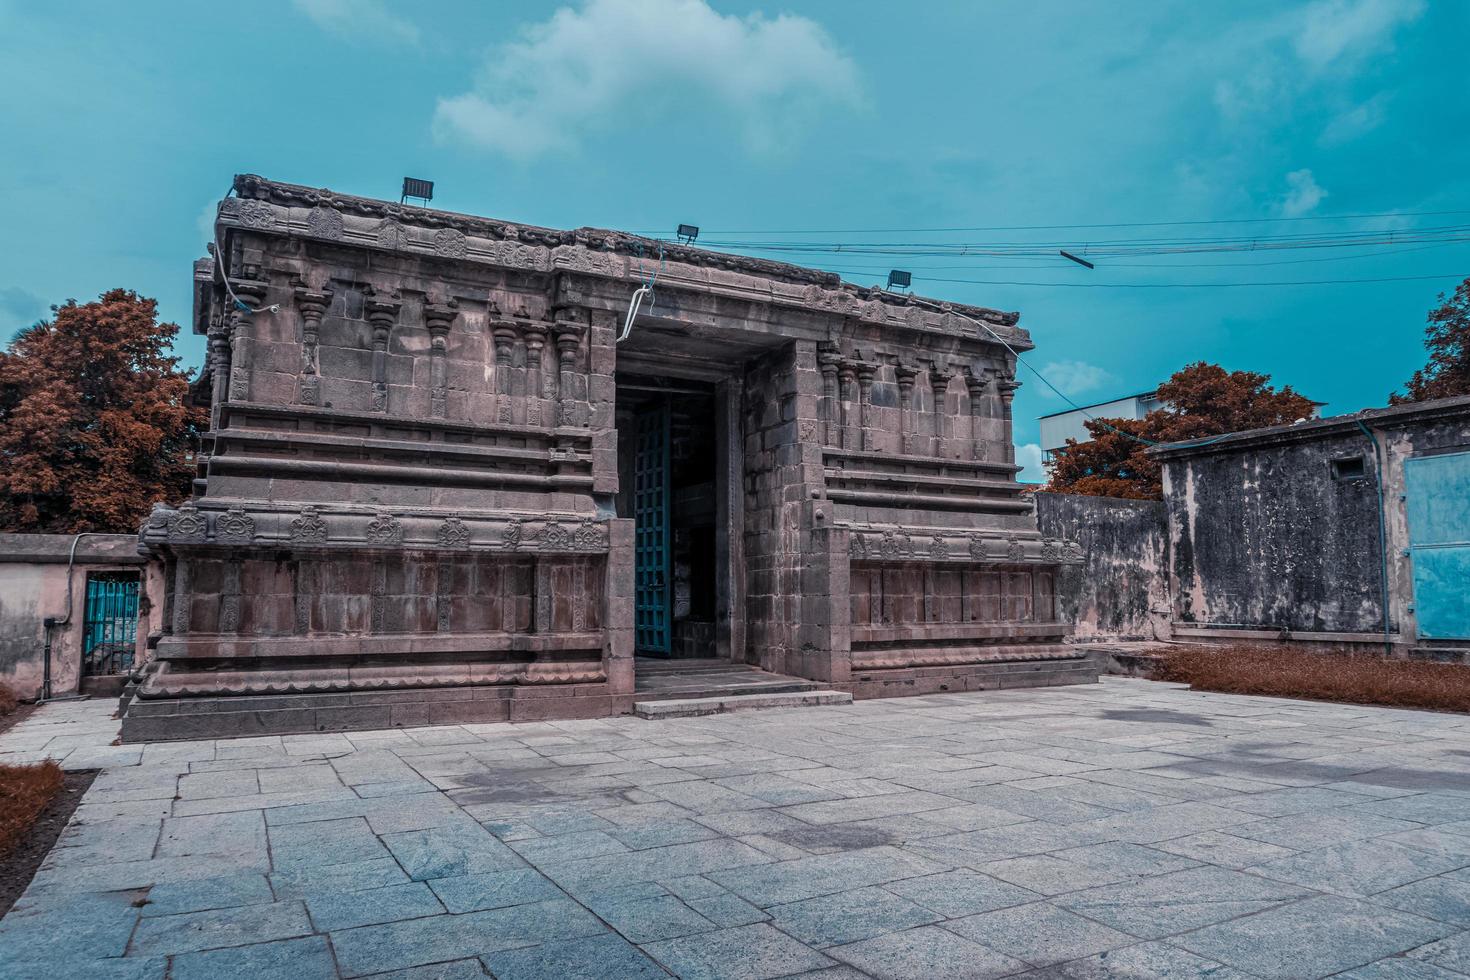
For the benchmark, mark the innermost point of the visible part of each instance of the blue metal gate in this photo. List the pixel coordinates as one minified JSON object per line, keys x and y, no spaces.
{"x":110,"y":626}
{"x":1438,"y":501}
{"x":651,"y":531}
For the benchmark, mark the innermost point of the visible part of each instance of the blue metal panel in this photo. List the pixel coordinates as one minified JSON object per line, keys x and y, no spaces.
{"x":1437,"y":492}
{"x":110,"y":624}
{"x":651,"y":532}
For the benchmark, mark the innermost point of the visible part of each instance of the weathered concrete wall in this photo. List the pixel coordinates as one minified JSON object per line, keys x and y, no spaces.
{"x":1267,"y":536}
{"x":33,"y":579}
{"x":1121,"y":590}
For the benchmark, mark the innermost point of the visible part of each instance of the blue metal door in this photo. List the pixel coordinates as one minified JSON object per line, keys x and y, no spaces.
{"x":110,"y":624}
{"x":651,"y":531}
{"x":1438,"y":501}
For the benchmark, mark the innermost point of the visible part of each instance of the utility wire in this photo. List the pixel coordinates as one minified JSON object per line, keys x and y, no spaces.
{"x":1171,"y":285}
{"x":1058,"y":227}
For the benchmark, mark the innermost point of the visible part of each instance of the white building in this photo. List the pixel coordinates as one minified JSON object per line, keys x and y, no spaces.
{"x":1058,"y":427}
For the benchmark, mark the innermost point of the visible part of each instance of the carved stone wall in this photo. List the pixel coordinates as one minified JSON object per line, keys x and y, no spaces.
{"x":412,"y":464}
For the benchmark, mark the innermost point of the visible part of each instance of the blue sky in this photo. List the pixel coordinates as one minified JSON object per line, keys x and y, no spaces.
{"x":123,"y":124}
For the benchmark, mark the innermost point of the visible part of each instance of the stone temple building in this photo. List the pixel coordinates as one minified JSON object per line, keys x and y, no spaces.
{"x":438,"y":486}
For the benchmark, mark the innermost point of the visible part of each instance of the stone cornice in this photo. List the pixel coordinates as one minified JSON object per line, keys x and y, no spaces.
{"x":271,"y":207}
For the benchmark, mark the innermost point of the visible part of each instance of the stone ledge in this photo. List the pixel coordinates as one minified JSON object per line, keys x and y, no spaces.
{"x":694,"y":707}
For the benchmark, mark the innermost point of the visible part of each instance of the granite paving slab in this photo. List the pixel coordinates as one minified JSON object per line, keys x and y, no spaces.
{"x":1131,"y":829}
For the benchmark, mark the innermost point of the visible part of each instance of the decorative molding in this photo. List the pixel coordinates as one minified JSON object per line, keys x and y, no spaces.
{"x":454,"y":533}
{"x":385,"y":529}
{"x":309,"y":528}
{"x":511,"y":537}
{"x":450,"y":243}
{"x":324,"y":222}
{"x":188,"y":524}
{"x":234,"y":526}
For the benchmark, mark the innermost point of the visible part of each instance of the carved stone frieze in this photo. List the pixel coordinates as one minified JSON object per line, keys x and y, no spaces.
{"x":188,"y":524}
{"x":324,"y":222}
{"x":511,"y":538}
{"x":234,"y":526}
{"x":385,"y":529}
{"x":590,"y":535}
{"x":450,"y":243}
{"x":453,"y":533}
{"x":1015,"y":551}
{"x":309,"y":528}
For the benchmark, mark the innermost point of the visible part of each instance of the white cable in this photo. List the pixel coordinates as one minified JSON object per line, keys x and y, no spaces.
{"x":639,"y":295}
{"x":219,"y":258}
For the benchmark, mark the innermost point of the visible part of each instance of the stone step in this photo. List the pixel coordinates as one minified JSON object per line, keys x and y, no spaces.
{"x":715,"y":688}
{"x":694,"y":707}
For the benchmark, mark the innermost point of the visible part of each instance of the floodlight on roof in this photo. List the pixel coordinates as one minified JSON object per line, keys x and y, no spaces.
{"x":899,"y":278}
{"x":413,"y":187}
{"x":687,"y":233}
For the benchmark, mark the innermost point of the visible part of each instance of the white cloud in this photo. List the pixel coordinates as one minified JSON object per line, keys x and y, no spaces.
{"x":1028,"y":457}
{"x":1332,"y":30}
{"x":1357,"y":121}
{"x":1303,"y":194}
{"x":585,"y":69}
{"x":1073,"y":377}
{"x":205,"y":222}
{"x":369,"y":19}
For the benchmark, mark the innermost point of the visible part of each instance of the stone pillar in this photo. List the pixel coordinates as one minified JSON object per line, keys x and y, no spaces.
{"x":535,"y":344}
{"x":250,"y":293}
{"x":438,"y":318}
{"x":183,"y":596}
{"x":219,"y":360}
{"x":847,"y":373}
{"x":865,"y":403}
{"x":382,"y":313}
{"x":505,"y":338}
{"x":977,"y":383}
{"x":939,"y":384}
{"x":313,"y":306}
{"x":906,"y":374}
{"x":828,"y":359}
{"x":568,"y":340}
{"x":1008,"y":385}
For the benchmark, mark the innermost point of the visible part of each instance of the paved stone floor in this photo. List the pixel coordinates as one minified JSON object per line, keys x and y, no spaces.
{"x":1129,"y":829}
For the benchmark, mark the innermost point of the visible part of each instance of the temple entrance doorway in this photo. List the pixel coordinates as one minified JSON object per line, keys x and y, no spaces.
{"x":668,"y":446}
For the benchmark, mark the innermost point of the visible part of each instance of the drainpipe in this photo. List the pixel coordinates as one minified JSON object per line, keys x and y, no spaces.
{"x":51,"y":623}
{"x":1382,"y":536}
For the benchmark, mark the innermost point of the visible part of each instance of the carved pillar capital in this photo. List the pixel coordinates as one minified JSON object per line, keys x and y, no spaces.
{"x":382,"y":311}
{"x":976,"y":382}
{"x":312,"y":303}
{"x":505,"y":335}
{"x":439,"y":317}
{"x":906,"y":373}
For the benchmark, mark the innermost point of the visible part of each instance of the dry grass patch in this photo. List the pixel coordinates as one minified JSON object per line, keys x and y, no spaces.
{"x":24,"y":793}
{"x":1293,"y":673}
{"x":8,"y":701}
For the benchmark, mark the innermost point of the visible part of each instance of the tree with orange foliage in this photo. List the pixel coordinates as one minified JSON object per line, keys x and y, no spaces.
{"x":1200,"y":400}
{"x":95,"y":420}
{"x":1448,"y":340}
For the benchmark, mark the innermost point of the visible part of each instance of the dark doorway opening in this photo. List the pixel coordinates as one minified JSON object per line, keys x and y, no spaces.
{"x":667,"y":451}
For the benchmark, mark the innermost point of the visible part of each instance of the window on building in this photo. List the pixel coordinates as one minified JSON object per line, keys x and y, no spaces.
{"x":1349,"y":468}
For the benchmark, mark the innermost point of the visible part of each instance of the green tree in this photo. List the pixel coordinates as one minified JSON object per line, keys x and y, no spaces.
{"x":95,"y":420}
{"x":1200,"y":400}
{"x":1447,"y":338}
